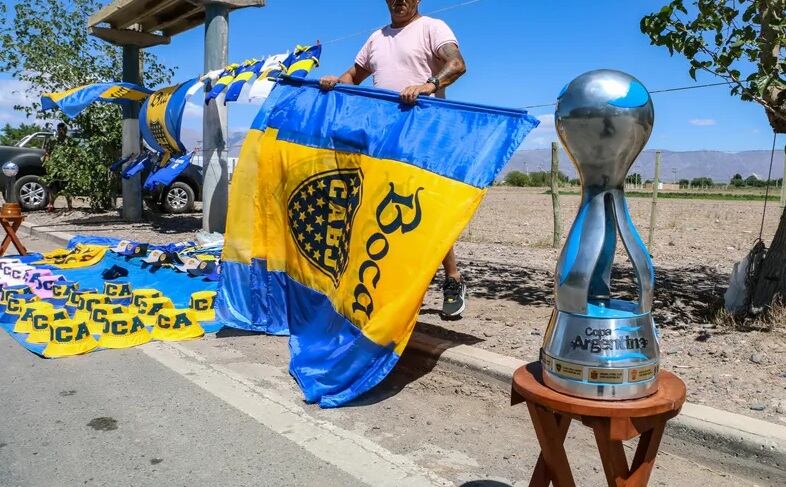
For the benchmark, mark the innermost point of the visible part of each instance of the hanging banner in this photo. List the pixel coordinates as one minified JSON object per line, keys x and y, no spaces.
{"x":75,"y":100}
{"x":161,"y":116}
{"x":350,"y":218}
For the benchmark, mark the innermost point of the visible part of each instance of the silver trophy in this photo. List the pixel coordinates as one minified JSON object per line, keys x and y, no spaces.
{"x":595,"y":346}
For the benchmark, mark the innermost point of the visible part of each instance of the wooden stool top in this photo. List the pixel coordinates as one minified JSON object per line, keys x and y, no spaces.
{"x":528,"y":382}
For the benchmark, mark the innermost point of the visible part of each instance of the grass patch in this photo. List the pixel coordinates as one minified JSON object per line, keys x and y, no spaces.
{"x":773,"y":319}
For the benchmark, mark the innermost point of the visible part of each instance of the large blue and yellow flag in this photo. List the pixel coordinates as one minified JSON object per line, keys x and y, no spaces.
{"x":350,"y":201}
{"x":73,"y":101}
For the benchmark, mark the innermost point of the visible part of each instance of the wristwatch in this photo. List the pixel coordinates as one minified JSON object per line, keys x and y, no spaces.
{"x":434,"y":81}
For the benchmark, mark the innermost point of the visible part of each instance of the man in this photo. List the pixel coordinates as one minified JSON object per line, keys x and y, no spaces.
{"x":58,"y":139}
{"x":414,"y":55}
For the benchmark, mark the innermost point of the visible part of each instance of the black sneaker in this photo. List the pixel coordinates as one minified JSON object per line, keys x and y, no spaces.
{"x":453,"y":292}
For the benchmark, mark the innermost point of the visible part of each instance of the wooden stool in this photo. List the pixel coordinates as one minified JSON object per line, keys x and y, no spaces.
{"x":11,"y":224}
{"x":611,"y":421}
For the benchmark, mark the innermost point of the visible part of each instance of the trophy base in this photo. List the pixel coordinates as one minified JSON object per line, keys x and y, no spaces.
{"x":610,"y":354}
{"x":587,"y":389}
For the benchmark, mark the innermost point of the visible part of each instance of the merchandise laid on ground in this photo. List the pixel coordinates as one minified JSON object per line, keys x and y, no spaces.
{"x":100,"y":294}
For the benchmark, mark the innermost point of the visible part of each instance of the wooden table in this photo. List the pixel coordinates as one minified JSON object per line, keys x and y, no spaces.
{"x":611,"y":421}
{"x":11,"y":224}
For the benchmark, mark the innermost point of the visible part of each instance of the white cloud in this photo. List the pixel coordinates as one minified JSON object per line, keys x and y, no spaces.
{"x":14,"y":92}
{"x":194,"y":109}
{"x":543,"y":135}
{"x":702,"y":122}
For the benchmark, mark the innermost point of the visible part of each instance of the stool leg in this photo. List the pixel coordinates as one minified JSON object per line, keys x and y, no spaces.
{"x":644,"y":460}
{"x":612,"y":453}
{"x":552,"y":450}
{"x":15,"y":239}
{"x":7,"y":239}
{"x":541,"y":476}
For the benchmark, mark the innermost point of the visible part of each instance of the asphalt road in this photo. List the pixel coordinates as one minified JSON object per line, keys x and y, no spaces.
{"x":224,"y":411}
{"x":119,"y":418}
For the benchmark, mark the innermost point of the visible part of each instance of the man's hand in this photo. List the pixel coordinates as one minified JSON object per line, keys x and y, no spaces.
{"x":329,"y":82}
{"x":409,"y":95}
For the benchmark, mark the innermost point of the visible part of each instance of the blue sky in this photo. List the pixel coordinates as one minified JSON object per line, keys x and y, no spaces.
{"x":518,"y":53}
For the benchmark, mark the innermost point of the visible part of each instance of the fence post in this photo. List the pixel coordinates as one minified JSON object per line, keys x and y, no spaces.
{"x":783,"y":186}
{"x":557,"y":237}
{"x":654,"y":210}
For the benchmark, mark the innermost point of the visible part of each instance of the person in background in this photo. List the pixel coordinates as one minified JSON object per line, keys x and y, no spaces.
{"x":414,"y":55}
{"x":60,"y":138}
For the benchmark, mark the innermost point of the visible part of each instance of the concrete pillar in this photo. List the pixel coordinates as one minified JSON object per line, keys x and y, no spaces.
{"x":215,"y":187}
{"x":132,"y":188}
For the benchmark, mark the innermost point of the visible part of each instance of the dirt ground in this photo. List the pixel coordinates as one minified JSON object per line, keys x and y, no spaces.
{"x":506,"y":257}
{"x":507,"y":260}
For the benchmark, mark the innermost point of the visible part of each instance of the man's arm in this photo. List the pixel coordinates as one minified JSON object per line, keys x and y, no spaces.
{"x":354,"y":76}
{"x":452,"y":69}
{"x":454,"y":66}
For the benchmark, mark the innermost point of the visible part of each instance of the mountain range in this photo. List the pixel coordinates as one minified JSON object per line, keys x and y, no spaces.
{"x":675,"y":165}
{"x":718,"y":165}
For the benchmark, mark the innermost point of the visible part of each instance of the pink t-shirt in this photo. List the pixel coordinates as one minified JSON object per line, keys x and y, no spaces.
{"x":404,"y":57}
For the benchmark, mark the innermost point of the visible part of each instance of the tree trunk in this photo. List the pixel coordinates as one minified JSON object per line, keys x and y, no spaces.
{"x":771,"y":282}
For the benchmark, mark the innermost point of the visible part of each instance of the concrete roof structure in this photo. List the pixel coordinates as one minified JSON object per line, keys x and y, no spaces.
{"x":146,"y":23}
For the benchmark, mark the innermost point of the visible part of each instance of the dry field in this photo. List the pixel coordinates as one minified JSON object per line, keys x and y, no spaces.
{"x":507,"y":259}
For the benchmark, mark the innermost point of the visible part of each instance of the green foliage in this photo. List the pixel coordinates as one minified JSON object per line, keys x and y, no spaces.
{"x":533,"y":179}
{"x":702,"y":182}
{"x":634,"y":178}
{"x":46,"y":44}
{"x":684,"y":183}
{"x":517,"y":178}
{"x":741,"y":41}
{"x":11,"y":135}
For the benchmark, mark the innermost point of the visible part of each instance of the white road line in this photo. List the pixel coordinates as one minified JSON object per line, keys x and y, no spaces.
{"x":354,"y":454}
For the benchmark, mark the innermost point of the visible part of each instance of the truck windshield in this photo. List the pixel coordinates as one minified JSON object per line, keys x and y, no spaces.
{"x":33,"y":141}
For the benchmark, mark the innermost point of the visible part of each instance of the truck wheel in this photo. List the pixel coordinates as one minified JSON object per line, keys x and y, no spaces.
{"x":31,"y":193}
{"x":178,"y":198}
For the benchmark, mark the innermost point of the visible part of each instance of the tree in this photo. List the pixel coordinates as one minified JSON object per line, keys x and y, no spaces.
{"x":11,"y":135}
{"x":634,"y":179}
{"x":753,"y":181}
{"x":517,"y":178}
{"x":702,"y":182}
{"x":684,"y":184}
{"x":741,"y":41}
{"x":45,"y":43}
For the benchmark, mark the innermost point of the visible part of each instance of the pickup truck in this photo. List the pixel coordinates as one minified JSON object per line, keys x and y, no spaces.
{"x":32,"y":193}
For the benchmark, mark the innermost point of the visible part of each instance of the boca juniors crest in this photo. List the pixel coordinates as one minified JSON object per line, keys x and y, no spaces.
{"x":321,"y":212}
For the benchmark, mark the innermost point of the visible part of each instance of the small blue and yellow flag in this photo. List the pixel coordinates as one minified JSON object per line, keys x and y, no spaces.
{"x":73,"y":101}
{"x":164,"y":176}
{"x":342,"y":206}
{"x":246,"y":72}
{"x":223,"y":81}
{"x":303,"y":60}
